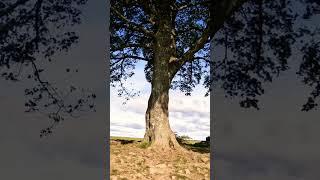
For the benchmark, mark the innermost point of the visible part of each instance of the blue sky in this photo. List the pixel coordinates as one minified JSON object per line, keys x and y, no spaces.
{"x":189,"y":115}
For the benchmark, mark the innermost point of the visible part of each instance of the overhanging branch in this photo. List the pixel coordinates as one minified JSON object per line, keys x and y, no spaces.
{"x":220,"y":11}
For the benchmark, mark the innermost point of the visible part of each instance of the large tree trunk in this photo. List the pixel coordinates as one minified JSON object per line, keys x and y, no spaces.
{"x":158,"y":131}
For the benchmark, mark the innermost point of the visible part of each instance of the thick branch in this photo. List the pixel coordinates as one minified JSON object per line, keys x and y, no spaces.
{"x":220,"y":11}
{"x":175,"y":65}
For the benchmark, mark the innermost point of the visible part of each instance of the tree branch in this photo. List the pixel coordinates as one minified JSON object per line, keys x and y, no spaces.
{"x":129,"y":46}
{"x":220,"y":11}
{"x":190,"y":53}
{"x":130,"y":56}
{"x":12,"y":7}
{"x":185,"y":6}
{"x":146,"y":5}
{"x":188,"y":30}
{"x":131,"y":25}
{"x":38,"y":20}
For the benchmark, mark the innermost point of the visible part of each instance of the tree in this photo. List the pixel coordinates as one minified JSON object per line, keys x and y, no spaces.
{"x":173,"y":36}
{"x":145,"y":30}
{"x":28,"y":33}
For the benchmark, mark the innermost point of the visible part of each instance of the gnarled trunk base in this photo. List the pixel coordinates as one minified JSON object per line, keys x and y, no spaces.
{"x":164,"y":141}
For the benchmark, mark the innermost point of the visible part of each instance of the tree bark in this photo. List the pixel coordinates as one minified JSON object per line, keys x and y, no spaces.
{"x":158,"y":132}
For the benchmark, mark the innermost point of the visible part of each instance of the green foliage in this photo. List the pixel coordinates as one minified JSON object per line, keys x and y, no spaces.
{"x":144,"y":145}
{"x":134,"y":25}
{"x":257,"y":39}
{"x":202,"y":144}
{"x":182,"y":138}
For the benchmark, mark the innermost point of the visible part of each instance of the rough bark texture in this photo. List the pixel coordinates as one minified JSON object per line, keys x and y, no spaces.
{"x":158,"y":131}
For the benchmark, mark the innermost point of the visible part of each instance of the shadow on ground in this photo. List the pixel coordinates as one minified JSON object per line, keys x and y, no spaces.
{"x":123,"y":141}
{"x":200,"y":147}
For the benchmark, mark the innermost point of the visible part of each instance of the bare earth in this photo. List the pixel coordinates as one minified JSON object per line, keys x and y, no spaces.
{"x":130,"y":161}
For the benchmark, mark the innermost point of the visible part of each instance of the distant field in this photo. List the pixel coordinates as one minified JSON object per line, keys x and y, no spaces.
{"x":193,"y":141}
{"x":125,"y":138}
{"x":189,"y":144}
{"x":140,"y":139}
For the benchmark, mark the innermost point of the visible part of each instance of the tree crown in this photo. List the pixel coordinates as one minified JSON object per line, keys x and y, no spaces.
{"x":257,"y":38}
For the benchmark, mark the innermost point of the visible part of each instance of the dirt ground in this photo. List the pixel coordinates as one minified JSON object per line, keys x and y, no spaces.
{"x":130,"y":161}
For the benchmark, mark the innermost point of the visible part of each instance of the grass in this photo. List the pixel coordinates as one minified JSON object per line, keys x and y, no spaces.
{"x":179,"y":176}
{"x":114,"y":172}
{"x":140,"y":139}
{"x":125,"y":138}
{"x":144,"y":145}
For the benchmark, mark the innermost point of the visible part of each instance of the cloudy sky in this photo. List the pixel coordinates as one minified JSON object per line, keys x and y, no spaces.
{"x":189,"y":115}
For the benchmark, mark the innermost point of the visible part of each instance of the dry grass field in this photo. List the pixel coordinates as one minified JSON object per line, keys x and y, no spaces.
{"x":131,"y":160}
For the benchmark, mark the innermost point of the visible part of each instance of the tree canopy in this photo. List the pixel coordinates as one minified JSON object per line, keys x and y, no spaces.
{"x":258,"y":39}
{"x":132,"y":28}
